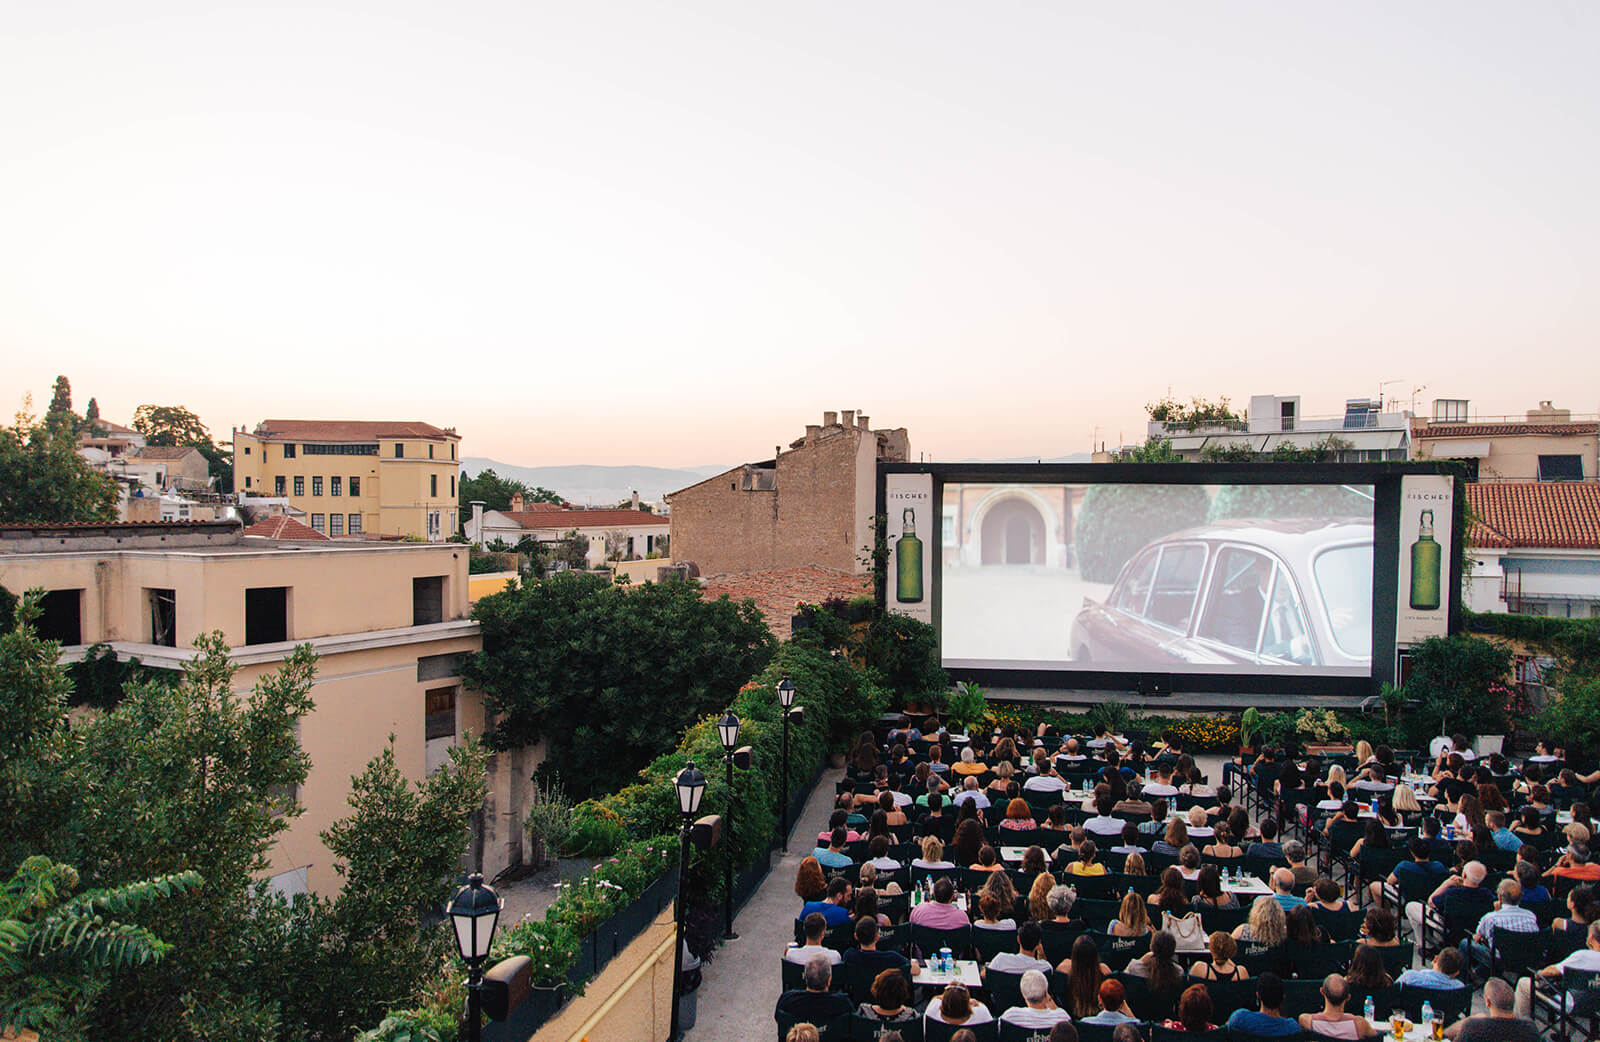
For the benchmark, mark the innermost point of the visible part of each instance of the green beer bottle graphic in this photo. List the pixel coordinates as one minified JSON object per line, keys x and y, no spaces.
{"x":1425,"y":566}
{"x":908,"y":561}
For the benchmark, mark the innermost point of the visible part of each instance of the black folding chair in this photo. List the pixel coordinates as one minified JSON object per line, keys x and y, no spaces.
{"x":866,"y":1029}
{"x":836,"y":1029}
{"x":937,"y":1031}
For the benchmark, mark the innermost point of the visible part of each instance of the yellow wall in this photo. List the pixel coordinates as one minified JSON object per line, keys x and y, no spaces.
{"x":481,"y":586}
{"x":1516,"y":458}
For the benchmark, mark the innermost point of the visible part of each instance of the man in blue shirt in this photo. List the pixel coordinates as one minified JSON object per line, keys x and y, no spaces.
{"x":1445,"y":974}
{"x":1508,"y":914}
{"x":836,"y":908}
{"x":1503,"y":837}
{"x":833,"y":855}
{"x":1418,"y":876}
{"x":1269,"y":1021}
{"x":1283,"y":889}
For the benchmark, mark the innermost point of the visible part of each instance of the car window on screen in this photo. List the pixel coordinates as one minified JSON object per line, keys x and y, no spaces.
{"x":1136,"y":585}
{"x":1237,"y":599}
{"x":1284,"y":637}
{"x":1177,"y":585}
{"x":1344,"y":581}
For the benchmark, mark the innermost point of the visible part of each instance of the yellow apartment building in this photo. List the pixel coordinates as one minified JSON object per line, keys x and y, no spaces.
{"x":389,"y":622}
{"x":355,"y":477}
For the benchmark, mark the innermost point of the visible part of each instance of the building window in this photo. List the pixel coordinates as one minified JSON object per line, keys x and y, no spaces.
{"x":61,"y":616}
{"x":452,"y":450}
{"x":433,"y":486}
{"x":247,"y":450}
{"x":316,"y":484}
{"x":452,"y":486}
{"x":335,"y":485}
{"x":163,"y":612}
{"x":1450,"y":410}
{"x":365,"y":449}
{"x":247,"y":481}
{"x":288,"y":451}
{"x":299,"y":485}
{"x":1561,"y":468}
{"x":439,"y":707}
{"x":355,"y":524}
{"x":430,"y":450}
{"x":355,"y":485}
{"x":427,"y":600}
{"x":280,"y":485}
{"x":319,"y":522}
{"x":266,"y":615}
{"x":399,"y":450}
{"x":336,"y":524}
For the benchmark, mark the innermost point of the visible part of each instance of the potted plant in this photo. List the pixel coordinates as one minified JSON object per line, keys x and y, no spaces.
{"x":1249,"y":728}
{"x":967,"y":707}
{"x":1322,"y":732}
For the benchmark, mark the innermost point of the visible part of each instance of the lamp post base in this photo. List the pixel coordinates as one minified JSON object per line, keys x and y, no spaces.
{"x":730,"y":936}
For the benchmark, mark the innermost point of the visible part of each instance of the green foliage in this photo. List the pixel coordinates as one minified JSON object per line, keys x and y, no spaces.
{"x":175,"y":425}
{"x":609,"y":677}
{"x":8,"y":609}
{"x":597,"y":831}
{"x":43,"y":480}
{"x":1198,"y":413}
{"x":1109,"y":716}
{"x":1249,"y":726}
{"x":408,"y":1027}
{"x":968,"y":704}
{"x":905,"y":652}
{"x":1154,"y":450}
{"x":1115,"y":521}
{"x":1459,"y":682}
{"x":58,"y":951}
{"x":99,"y":678}
{"x":1572,"y":717}
{"x":549,"y":820}
{"x":496,"y":492}
{"x":1231,"y":452}
{"x":479,"y":563}
{"x":548,"y":943}
{"x":1289,"y":501}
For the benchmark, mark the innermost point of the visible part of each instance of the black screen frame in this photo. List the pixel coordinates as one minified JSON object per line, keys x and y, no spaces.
{"x":1384,"y":478}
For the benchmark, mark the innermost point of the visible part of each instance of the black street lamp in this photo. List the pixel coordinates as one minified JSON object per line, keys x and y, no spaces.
{"x":474,"y":913}
{"x":785,"y":701}
{"x":691,"y":786}
{"x":728,"y":732}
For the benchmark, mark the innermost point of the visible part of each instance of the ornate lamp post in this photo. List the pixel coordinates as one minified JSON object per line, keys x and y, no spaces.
{"x":785,"y":702}
{"x":691,"y":786}
{"x":728,"y":732}
{"x":474,"y":913}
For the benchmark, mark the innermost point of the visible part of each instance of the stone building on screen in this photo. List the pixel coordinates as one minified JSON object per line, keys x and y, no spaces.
{"x":811,"y":504}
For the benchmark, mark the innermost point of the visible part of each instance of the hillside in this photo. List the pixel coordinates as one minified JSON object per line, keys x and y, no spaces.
{"x":592,"y":485}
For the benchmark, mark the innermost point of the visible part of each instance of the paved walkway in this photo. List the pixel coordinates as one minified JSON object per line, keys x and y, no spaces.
{"x":741,"y":986}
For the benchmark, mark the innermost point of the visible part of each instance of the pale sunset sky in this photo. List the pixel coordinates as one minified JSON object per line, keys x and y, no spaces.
{"x":674,"y":233}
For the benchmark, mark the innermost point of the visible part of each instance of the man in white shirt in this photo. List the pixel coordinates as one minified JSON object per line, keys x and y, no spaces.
{"x":1103,"y":824}
{"x":1040,"y":1011}
{"x":970,"y":791}
{"x":879,"y":849}
{"x":1586,"y":958}
{"x":1071,"y":753}
{"x":815,"y":926}
{"x":1028,"y":956}
{"x":1161,"y":784}
{"x":1047,"y":782}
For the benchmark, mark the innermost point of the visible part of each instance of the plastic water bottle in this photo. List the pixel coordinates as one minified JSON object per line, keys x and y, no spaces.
{"x":1427,"y":1020}
{"x":1370,"y":1010}
{"x":947,"y":959}
{"x":1374,"y":806}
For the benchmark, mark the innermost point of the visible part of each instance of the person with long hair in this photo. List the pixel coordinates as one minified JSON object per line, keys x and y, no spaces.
{"x":809,"y":882}
{"x":1160,"y":965}
{"x":1019,"y":818}
{"x":1086,"y":865}
{"x":1194,"y":1011}
{"x":891,"y":999}
{"x":1367,"y":974}
{"x":1373,"y":837}
{"x":999,"y":884}
{"x":1084,"y":972}
{"x":1222,"y":845}
{"x":1266,"y":924}
{"x":1133,"y":918}
{"x":1209,"y":892}
{"x":1223,"y":948}
{"x":1170,"y":897}
{"x":1177,"y":835}
{"x":1039,"y":896}
{"x":1034,"y":861}
{"x":990,"y":912}
{"x":1300,"y":924}
{"x":967,"y":842}
{"x":932,"y":855}
{"x":1405,"y":800}
{"x":1470,"y":815}
{"x":1003,"y":773}
{"x":1133,"y":865}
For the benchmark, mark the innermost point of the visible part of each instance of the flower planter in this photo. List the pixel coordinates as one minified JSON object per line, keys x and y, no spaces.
{"x":1329,"y":748}
{"x":572,"y":869}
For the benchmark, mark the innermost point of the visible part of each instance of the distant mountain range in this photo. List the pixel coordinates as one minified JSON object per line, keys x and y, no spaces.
{"x":597,"y":486}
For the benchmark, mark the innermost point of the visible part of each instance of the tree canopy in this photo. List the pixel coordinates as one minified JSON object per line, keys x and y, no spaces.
{"x":496,"y":492}
{"x":175,"y":425}
{"x":609,"y":676}
{"x":44,"y":480}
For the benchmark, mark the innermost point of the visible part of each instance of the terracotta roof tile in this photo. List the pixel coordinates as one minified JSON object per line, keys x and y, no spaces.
{"x":1547,"y":514}
{"x":569,"y":519}
{"x":776,"y":592}
{"x":286,"y":528}
{"x":164,"y":452}
{"x":347,"y":430}
{"x":1501,"y":430}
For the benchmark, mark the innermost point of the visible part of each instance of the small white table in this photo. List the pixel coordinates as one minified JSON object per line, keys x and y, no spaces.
{"x":966,"y":972}
{"x":1249,"y":886}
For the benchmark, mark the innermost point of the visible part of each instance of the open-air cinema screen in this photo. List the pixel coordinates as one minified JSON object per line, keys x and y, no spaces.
{"x":1160,"y":578}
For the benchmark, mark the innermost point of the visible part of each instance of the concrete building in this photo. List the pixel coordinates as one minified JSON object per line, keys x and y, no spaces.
{"x":109,"y":440}
{"x":355,"y":477}
{"x":1547,"y":444}
{"x":1534,"y":548}
{"x":389,"y":622}
{"x":810,"y":505}
{"x":1369,"y":434}
{"x":632,"y":533}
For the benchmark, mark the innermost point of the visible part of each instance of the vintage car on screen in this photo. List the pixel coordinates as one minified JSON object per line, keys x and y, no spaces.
{"x":1277,"y":592}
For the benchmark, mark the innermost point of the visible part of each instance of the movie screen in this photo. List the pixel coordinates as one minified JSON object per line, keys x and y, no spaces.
{"x":1158,"y":578}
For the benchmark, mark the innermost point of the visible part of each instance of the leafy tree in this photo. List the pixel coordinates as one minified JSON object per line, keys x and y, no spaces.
{"x":91,"y":412}
{"x":905,"y":652}
{"x":1233,"y":452}
{"x":1460,"y":682}
{"x":57,"y":951}
{"x":496,"y":492}
{"x":60,"y":413}
{"x":1154,"y":450}
{"x":609,"y":677}
{"x":170,"y":425}
{"x":1198,"y":413}
{"x":43,"y":480}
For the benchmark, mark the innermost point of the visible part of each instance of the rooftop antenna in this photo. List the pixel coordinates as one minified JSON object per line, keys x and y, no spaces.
{"x":1384,"y":384}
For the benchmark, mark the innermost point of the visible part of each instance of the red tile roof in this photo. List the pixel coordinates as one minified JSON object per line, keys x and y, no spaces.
{"x":286,"y":528}
{"x":164,"y":452}
{"x":569,"y":519}
{"x":1501,"y":430}
{"x":1543,"y":514}
{"x":347,"y":430}
{"x":777,"y":592}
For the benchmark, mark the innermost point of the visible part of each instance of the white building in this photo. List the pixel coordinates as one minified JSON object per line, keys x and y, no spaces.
{"x":633,"y":533}
{"x":1370,"y":434}
{"x":1534,"y":548}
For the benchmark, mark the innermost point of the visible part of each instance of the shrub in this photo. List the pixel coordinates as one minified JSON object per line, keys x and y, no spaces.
{"x":1206,"y":733}
{"x":1572,"y":717}
{"x":1459,"y":681}
{"x":549,"y":820}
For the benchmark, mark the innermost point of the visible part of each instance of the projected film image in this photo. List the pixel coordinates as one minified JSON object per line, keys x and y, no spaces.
{"x":1158,"y":578}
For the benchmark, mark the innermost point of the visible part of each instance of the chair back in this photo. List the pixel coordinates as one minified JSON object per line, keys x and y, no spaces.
{"x":835,"y":1029}
{"x":865,"y":1029}
{"x":1148,"y":1004}
{"x":938,"y":1031}
{"x":1017,"y":1033}
{"x":1166,"y":1034}
{"x":1302,"y":995}
{"x":1316,"y":961}
{"x":1224,"y":919}
{"x":1103,"y":1032}
{"x":1005,"y":990}
{"x":1117,"y":952}
{"x":1449,"y":1004}
{"x":793,"y":976}
{"x":987,"y":943}
{"x":858,"y":978}
{"x":928,"y":940}
{"x":1513,"y":953}
{"x":1099,"y":913}
{"x":1396,"y":958}
{"x":1230,"y":995}
{"x":1340,"y":926}
{"x":1058,"y":944}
